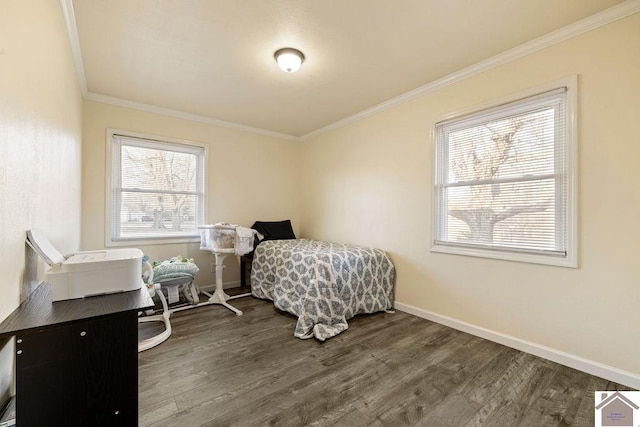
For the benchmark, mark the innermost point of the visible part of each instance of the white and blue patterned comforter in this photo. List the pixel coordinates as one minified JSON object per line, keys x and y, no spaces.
{"x":322,"y":283}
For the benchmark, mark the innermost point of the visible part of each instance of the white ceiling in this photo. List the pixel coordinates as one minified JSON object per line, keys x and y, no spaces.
{"x":214,"y":58}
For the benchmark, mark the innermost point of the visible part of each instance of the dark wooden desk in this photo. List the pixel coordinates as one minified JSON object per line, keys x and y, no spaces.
{"x":77,"y":360}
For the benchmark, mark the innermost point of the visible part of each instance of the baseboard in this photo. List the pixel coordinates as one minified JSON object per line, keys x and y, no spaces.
{"x":225,"y":285}
{"x":576,"y":362}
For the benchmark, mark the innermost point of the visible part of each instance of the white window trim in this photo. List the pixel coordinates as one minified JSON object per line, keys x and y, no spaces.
{"x":571,"y":258}
{"x":108,"y":237}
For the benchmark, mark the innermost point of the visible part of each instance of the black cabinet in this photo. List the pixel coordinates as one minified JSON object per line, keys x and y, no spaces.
{"x":77,"y":360}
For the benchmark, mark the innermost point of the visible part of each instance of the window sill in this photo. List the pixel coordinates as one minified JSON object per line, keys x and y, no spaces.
{"x":568,"y":261}
{"x":152,"y":241}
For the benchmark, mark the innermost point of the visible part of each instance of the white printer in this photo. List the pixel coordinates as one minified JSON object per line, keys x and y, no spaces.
{"x":88,"y":273}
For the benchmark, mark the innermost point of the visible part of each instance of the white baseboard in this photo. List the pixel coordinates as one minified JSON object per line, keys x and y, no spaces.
{"x":225,"y":285}
{"x":571,"y":360}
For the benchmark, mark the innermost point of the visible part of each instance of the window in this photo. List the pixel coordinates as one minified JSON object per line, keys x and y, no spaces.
{"x":155,"y":189}
{"x":504,"y":180}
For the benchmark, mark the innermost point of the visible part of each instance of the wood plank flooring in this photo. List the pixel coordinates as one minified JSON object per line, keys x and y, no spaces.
{"x":219,"y":369}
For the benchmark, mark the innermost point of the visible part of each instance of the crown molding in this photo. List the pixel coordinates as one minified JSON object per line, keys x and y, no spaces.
{"x":570,"y":31}
{"x":120,"y":102}
{"x":72,"y":32}
{"x":585,"y":25}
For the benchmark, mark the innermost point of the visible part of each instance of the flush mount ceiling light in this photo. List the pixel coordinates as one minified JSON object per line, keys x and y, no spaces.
{"x":289,"y":60}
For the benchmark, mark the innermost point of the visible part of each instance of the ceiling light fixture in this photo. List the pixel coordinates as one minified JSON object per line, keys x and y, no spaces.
{"x":289,"y":60}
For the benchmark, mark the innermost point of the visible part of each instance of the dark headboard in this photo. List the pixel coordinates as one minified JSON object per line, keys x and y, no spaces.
{"x":275,"y":230}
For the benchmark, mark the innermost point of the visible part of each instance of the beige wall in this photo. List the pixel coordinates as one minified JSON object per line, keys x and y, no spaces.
{"x":369,"y":183}
{"x":40,"y":131}
{"x":250,"y":177}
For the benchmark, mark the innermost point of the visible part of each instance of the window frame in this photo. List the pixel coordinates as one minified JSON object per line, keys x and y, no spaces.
{"x":570,"y":259}
{"x":113,"y":186}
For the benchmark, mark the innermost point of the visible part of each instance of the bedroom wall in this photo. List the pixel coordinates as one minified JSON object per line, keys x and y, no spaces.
{"x":369,"y":183}
{"x":40,"y":131}
{"x":250,"y":177}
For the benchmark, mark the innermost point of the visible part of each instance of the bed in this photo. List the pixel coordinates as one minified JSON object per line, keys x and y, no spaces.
{"x":323,"y":284}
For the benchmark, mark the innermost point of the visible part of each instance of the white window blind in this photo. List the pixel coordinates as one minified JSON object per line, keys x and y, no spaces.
{"x":157,"y":189}
{"x":502,"y":179}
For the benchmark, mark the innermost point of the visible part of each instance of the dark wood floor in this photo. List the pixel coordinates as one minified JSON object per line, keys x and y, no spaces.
{"x":219,"y":369}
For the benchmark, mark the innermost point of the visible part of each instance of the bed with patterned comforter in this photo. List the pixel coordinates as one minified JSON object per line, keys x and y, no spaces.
{"x":322,"y":283}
